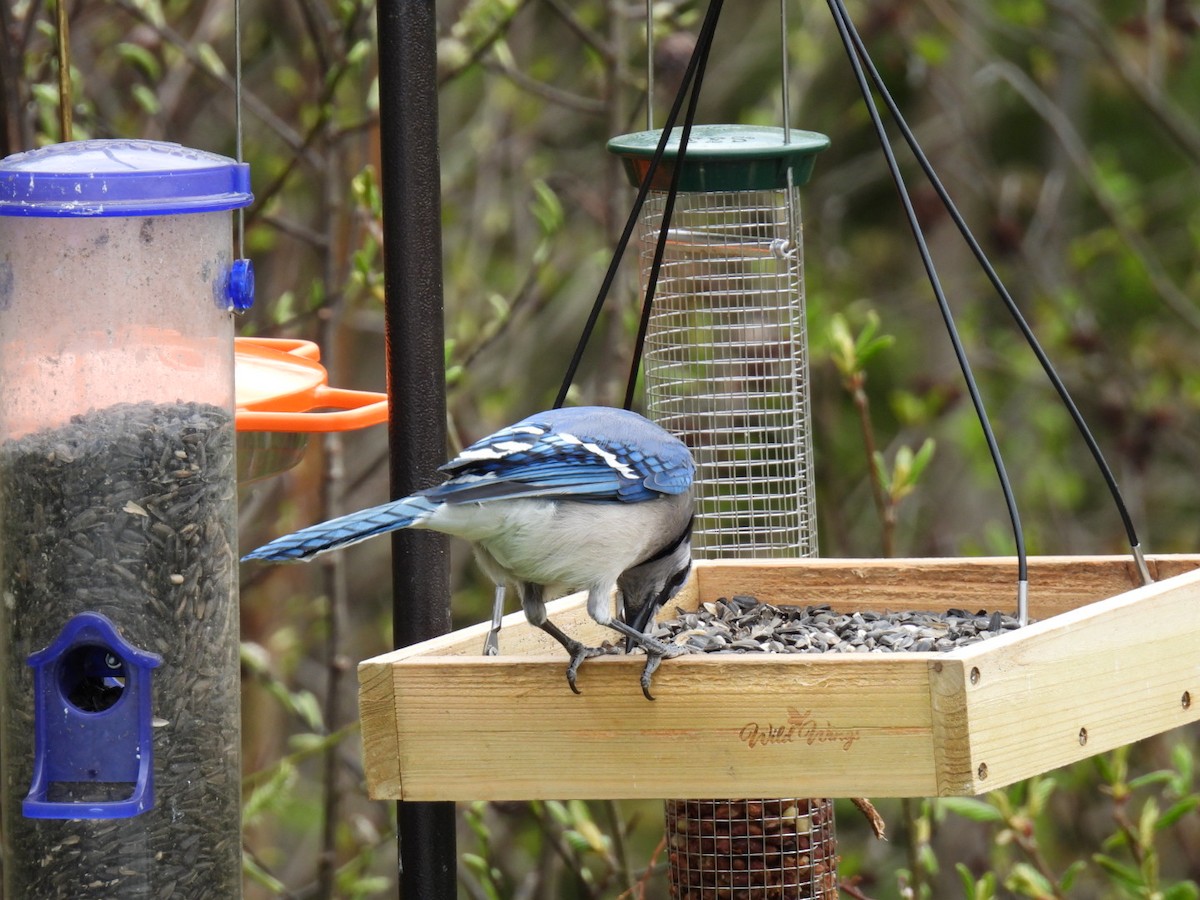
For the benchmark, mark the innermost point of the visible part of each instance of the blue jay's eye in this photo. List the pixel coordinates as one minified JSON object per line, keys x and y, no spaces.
{"x":674,"y":583}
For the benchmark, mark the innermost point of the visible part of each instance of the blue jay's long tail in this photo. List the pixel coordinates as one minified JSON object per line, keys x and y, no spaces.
{"x":303,"y":545}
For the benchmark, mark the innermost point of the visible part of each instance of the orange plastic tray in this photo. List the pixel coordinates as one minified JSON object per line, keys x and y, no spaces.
{"x":282,"y":386}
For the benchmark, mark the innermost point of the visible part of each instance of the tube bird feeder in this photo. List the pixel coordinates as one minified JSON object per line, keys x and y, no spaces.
{"x":120,"y":731}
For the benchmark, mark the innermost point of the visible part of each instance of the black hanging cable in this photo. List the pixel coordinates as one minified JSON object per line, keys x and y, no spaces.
{"x":703,"y":44}
{"x":1002,"y":291}
{"x":840,"y":19}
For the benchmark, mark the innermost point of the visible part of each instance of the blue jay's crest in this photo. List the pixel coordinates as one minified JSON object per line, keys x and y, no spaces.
{"x":581,"y":453}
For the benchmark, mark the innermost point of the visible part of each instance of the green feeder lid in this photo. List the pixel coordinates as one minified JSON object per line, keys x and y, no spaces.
{"x":723,"y":157}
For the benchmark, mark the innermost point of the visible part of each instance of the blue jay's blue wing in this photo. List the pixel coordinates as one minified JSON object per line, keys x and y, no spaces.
{"x":582,"y":453}
{"x":591,"y":454}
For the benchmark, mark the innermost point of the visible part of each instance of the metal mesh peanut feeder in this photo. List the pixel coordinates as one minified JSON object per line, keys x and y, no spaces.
{"x":751,"y":849}
{"x":726,"y":368}
{"x":726,"y":356}
{"x":120,"y":725}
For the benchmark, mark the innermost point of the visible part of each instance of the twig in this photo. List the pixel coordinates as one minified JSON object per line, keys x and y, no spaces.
{"x":850,"y":889}
{"x":651,"y":867}
{"x":912,"y":844}
{"x":874,"y":819}
{"x":546,"y":92}
{"x":883,"y":505}
{"x":563,"y":850}
{"x":484,"y":46}
{"x":334,"y":570}
{"x":263,"y":112}
{"x":1034,"y":853}
{"x":620,"y":851}
{"x":585,"y":34}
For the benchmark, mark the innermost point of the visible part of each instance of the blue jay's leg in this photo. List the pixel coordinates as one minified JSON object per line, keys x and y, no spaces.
{"x":491,"y":644}
{"x":535,"y":612}
{"x":656,"y":651}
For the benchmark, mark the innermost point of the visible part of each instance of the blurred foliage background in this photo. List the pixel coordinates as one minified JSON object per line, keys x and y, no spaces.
{"x":1066,"y":130}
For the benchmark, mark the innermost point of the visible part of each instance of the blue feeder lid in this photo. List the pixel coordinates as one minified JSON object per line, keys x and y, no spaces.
{"x":120,"y":178}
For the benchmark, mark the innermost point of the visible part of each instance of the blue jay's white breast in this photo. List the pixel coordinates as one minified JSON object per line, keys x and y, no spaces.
{"x":566,"y":545}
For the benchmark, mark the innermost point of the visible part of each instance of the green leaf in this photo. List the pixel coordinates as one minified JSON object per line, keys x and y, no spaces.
{"x":1161,"y":776}
{"x":547,"y":208}
{"x":882,"y":473}
{"x":971,"y":808}
{"x":140,"y":58}
{"x":982,"y":889}
{"x":1184,"y":761}
{"x":1040,"y":790}
{"x":1029,"y":881}
{"x":271,"y":793}
{"x":558,"y":812}
{"x":1122,"y":874}
{"x":211,"y":59}
{"x":1069,"y":877}
{"x":484,"y":871}
{"x":923,"y":456}
{"x":1146,"y":823}
{"x":598,"y":841}
{"x":967,"y":880}
{"x":576,"y":841}
{"x":306,"y":705}
{"x":841,"y":346}
{"x":146,"y":99}
{"x":259,"y":875}
{"x":1183,"y":890}
{"x":1177,"y":811}
{"x":933,"y":49}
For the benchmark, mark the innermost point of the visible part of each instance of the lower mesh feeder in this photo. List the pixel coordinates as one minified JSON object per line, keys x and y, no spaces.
{"x":751,"y":849}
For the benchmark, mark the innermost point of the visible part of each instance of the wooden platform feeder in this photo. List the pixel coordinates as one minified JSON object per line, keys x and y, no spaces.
{"x":1106,"y":663}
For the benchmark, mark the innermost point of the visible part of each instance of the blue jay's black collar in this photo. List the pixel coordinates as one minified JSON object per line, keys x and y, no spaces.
{"x":670,"y":548}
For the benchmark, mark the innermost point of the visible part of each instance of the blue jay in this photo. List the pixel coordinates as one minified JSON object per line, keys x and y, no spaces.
{"x":578,"y":499}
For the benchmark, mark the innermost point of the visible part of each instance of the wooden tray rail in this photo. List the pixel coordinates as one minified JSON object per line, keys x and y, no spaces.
{"x":1107,"y":662}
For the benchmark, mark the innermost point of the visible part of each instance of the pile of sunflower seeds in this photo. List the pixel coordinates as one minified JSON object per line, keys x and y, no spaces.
{"x":743,"y":624}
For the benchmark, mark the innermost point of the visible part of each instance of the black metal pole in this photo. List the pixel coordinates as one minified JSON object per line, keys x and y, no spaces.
{"x":412,"y":248}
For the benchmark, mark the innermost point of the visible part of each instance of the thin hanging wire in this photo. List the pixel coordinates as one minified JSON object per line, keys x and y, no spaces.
{"x":1005,"y":296}
{"x":649,"y":65}
{"x":703,"y":44}
{"x":237,"y":117}
{"x":783,"y":68}
{"x":841,"y":18}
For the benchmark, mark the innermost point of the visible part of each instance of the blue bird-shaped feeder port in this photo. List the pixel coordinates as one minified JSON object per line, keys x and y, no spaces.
{"x":93,"y":747}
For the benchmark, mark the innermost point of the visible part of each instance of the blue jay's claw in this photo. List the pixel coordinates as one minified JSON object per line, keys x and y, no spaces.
{"x":579,"y":652}
{"x":656,"y":651}
{"x":652,"y":662}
